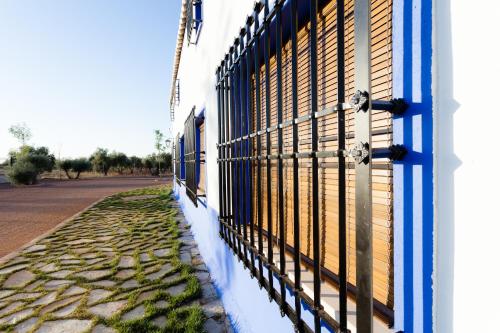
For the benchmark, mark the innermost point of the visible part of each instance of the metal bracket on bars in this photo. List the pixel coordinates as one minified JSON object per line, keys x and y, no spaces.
{"x":360,"y":152}
{"x":359,"y":101}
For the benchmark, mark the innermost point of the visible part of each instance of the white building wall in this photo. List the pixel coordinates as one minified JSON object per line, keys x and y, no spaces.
{"x":247,"y":305}
{"x":222,"y":20}
{"x":466,"y":120}
{"x":466,"y":117}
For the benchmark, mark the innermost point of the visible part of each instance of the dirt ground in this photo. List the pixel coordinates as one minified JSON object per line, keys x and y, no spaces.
{"x":30,"y":211}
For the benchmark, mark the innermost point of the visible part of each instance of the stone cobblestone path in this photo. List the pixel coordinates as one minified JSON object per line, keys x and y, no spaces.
{"x":128,"y":264}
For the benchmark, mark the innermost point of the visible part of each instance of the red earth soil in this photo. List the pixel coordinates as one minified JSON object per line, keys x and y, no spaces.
{"x":30,"y":211}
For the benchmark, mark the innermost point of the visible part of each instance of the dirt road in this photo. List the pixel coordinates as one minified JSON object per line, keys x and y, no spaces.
{"x":28,"y":212}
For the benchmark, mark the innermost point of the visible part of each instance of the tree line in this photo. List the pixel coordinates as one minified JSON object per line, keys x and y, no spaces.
{"x":103,"y":161}
{"x":27,"y":163}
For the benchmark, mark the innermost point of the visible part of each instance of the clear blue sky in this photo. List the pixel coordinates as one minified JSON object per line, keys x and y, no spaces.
{"x":87,"y":73}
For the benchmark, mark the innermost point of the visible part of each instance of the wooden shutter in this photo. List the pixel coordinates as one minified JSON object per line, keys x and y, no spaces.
{"x":190,"y":157}
{"x":381,"y":12}
{"x":177,"y":148}
{"x":201,"y":170}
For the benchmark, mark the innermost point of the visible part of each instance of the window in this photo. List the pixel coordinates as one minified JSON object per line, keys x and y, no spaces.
{"x":182,"y":159}
{"x":190,"y":156}
{"x":194,"y":156}
{"x":194,"y":20}
{"x":287,"y":122}
{"x":200,"y":154}
{"x":177,"y":149}
{"x":180,"y":172}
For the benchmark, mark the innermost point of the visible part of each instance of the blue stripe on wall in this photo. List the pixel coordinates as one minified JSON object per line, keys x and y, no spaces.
{"x":413,"y":177}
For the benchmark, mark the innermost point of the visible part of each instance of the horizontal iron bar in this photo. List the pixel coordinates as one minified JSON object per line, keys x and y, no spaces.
{"x":325,"y":112}
{"x":395,"y":106}
{"x":276,"y":296}
{"x":329,"y":138}
{"x":394,"y":153}
{"x":381,"y":309}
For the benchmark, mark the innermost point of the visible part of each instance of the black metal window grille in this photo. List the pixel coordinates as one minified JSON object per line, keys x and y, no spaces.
{"x":177,"y":161}
{"x":190,"y":157}
{"x":193,"y":20}
{"x":200,"y":156}
{"x":242,"y":156}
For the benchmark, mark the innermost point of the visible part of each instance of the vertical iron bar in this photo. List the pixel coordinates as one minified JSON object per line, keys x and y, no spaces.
{"x":219,"y":150}
{"x":257,"y":9}
{"x":268,"y":151}
{"x":341,"y":168}
{"x":295,"y":135}
{"x":249,"y":145}
{"x":234,"y":201}
{"x":243,"y":180}
{"x":281,"y":197}
{"x":227,"y":166}
{"x":224,"y":148}
{"x":314,"y":147}
{"x":236,"y":134}
{"x":364,"y":246}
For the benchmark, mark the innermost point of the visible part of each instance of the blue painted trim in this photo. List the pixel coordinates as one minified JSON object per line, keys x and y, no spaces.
{"x":413,"y":177}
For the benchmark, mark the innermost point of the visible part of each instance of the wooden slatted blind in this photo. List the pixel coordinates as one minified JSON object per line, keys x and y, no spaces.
{"x":201,"y":182}
{"x":381,"y":12}
{"x":177,"y":147}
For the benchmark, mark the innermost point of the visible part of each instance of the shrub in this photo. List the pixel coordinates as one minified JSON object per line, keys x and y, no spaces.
{"x":40,"y":157}
{"x":22,"y":172}
{"x":28,"y":163}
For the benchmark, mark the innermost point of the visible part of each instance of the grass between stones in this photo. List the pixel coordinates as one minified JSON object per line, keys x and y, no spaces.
{"x":119,"y":259}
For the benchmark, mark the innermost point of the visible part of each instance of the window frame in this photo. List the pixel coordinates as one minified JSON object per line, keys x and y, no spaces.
{"x":200,"y":154}
{"x":190,"y":153}
{"x":194,"y":23}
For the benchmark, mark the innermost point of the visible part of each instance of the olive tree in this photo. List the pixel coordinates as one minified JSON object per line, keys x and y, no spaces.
{"x":149,"y":163}
{"x":135,"y":163}
{"x":21,"y":132}
{"x":159,"y":146}
{"x":66,"y":166}
{"x":80,"y":165}
{"x":100,"y":161}
{"x":119,"y":161}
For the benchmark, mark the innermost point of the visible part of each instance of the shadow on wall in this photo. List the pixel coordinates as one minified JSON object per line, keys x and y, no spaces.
{"x":447,"y":164}
{"x":413,"y":177}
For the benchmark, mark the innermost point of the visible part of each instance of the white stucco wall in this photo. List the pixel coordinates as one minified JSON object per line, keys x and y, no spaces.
{"x":466,"y":119}
{"x":247,"y":305}
{"x":222,"y":20}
